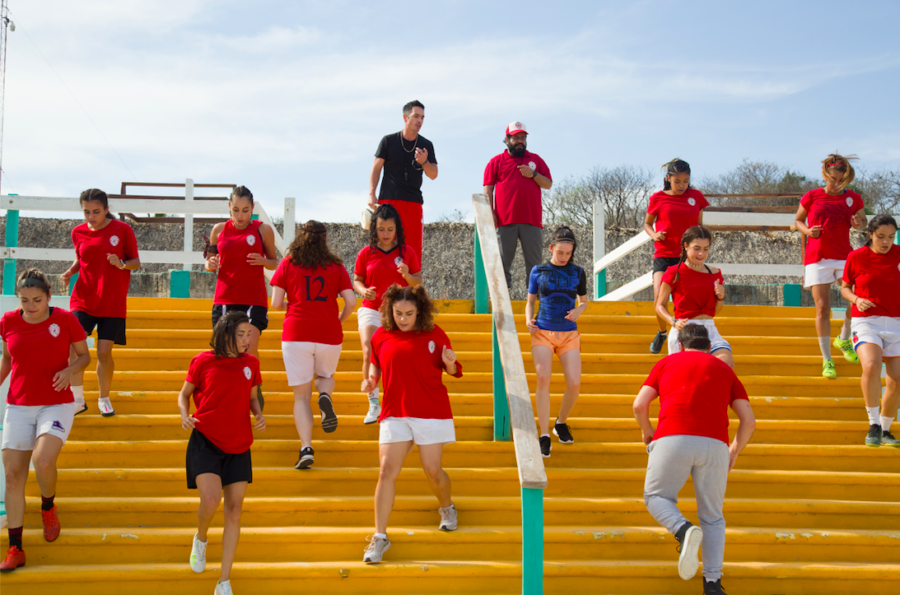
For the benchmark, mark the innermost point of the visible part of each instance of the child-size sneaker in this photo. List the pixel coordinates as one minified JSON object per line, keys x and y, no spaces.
{"x":375,"y":550}
{"x":828,"y":370}
{"x":198,"y":555}
{"x":563,"y":432}
{"x":888,"y":440}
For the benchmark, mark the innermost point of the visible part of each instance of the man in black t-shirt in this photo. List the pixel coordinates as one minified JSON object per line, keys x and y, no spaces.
{"x":404,"y":156}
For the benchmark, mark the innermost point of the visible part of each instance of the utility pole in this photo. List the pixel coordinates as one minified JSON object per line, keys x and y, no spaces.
{"x":5,"y":26}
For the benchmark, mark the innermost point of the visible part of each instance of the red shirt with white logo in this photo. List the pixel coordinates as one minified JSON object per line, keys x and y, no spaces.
{"x":102,"y":289}
{"x":876,"y":277}
{"x":694,"y":293}
{"x":312,"y":312}
{"x":675,"y":215}
{"x":38,"y":352}
{"x":412,"y":368}
{"x":833,"y":213}
{"x":222,"y":398}
{"x":237,"y":281}
{"x":380,"y":269}
{"x":695,"y":390}
{"x":517,"y":199}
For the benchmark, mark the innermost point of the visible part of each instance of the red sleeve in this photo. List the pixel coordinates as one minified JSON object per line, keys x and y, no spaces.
{"x":653,"y":207}
{"x":194,"y":370}
{"x":849,"y":274}
{"x":701,"y":200}
{"x":543,"y":169}
{"x":490,"y":174}
{"x":737,"y":390}
{"x":278,"y":279}
{"x":76,"y":331}
{"x":3,"y":328}
{"x":858,"y":203}
{"x":653,"y":379}
{"x":344,"y":282}
{"x":720,"y":277}
{"x":257,"y":377}
{"x":412,"y":260}
{"x":806,"y":201}
{"x":361,"y":259}
{"x":376,"y":347}
{"x":669,"y":276}
{"x":131,"y":247}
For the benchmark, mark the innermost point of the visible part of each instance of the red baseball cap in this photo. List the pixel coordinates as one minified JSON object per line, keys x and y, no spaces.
{"x":515,"y":128}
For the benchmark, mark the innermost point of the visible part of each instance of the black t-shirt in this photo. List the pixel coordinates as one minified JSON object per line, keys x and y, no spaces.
{"x":402,"y":179}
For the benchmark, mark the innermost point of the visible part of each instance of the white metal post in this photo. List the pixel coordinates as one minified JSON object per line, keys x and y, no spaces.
{"x":188,"y":221}
{"x":599,"y":248}
{"x":290,"y":220}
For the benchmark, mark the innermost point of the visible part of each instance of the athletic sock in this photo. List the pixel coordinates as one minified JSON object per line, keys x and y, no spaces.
{"x":845,"y":330}
{"x":886,"y":423}
{"x":373,"y":396}
{"x":547,"y":435}
{"x":380,"y":536}
{"x":47,"y":503}
{"x":15,"y":537}
{"x":874,"y":417}
{"x":825,"y":347}
{"x":78,"y":391}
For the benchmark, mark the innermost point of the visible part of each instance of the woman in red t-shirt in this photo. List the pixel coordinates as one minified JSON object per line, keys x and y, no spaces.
{"x":239,"y":250}
{"x":697,"y":291}
{"x":312,"y":278}
{"x":386,"y":261}
{"x":106,"y":252}
{"x":670,"y":213}
{"x":871,"y":282}
{"x":826,"y":215}
{"x":223,"y":383}
{"x":37,"y":340}
{"x":412,"y":353}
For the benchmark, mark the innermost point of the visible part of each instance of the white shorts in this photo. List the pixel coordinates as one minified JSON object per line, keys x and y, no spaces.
{"x":417,"y":429}
{"x":715,"y":339}
{"x":23,"y":424}
{"x":883,"y":331}
{"x":368,"y":317}
{"x":824,"y":272}
{"x":303,"y":361}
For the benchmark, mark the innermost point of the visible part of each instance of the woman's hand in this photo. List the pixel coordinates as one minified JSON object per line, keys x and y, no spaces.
{"x":256,"y":259}
{"x":260,"y":424}
{"x":855,"y":221}
{"x":114,"y":260}
{"x":61,"y":379}
{"x":815,"y":231}
{"x":679,"y":324}
{"x":659,"y":236}
{"x":187,"y":421}
{"x":574,"y":314}
{"x":403,"y":269}
{"x":719,"y":289}
{"x":862,"y":304}
{"x":532,"y":325}
{"x":212,"y":263}
{"x":370,"y":294}
{"x":368,"y":385}
{"x":66,"y":277}
{"x":448,"y":357}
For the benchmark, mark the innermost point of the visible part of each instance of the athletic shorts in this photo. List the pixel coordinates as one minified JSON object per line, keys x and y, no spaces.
{"x":108,"y":329}
{"x":205,"y":457}
{"x":417,"y":429}
{"x":368,"y":317}
{"x":558,"y":342}
{"x":824,"y":272}
{"x":715,"y":339}
{"x":662,"y":263}
{"x":883,"y":331}
{"x":23,"y":424}
{"x":304,"y":361}
{"x":258,"y":315}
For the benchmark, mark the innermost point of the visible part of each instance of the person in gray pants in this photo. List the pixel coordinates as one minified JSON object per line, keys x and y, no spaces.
{"x":695,"y":390}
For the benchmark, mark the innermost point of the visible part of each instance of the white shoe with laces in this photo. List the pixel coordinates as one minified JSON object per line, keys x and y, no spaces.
{"x":374,"y":412}
{"x":223,"y":588}
{"x":448,"y":518}
{"x":198,"y":557}
{"x":375,"y":550}
{"x":106,"y":408}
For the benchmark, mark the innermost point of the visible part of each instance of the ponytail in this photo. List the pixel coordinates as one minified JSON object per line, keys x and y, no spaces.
{"x":838,"y":163}
{"x":95,"y":194}
{"x":675,"y":166}
{"x":698,"y":232}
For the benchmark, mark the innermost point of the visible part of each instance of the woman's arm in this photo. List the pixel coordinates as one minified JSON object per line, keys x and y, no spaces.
{"x":5,"y":364}
{"x":212,"y":260}
{"x":529,"y":313}
{"x":413,"y":280}
{"x":662,"y":303}
{"x":359,"y":284}
{"x":574,"y":313}
{"x":800,"y":223}
{"x":859,"y":219}
{"x":370,"y":383}
{"x":349,"y":304}
{"x":256,"y":409}
{"x":278,"y":302}
{"x":82,"y":359}
{"x":862,"y":304}
{"x":649,"y":220}
{"x":184,"y":406}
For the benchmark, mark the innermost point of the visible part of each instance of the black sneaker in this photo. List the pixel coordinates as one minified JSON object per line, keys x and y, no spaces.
{"x":562,"y":430}
{"x":715,"y":588}
{"x":306,"y":458}
{"x":546,"y":447}
{"x":873,"y":438}
{"x":259,"y":397}
{"x":888,"y":440}
{"x":658,"y":340}
{"x":689,"y":540}
{"x":329,"y":417}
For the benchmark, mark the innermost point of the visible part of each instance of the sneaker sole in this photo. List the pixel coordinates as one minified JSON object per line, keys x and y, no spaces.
{"x":11,"y":569}
{"x":107,"y":414}
{"x":561,"y":441}
{"x":688,"y":562}
{"x":304,"y":463}
{"x":329,"y":417}
{"x":386,"y":548}
{"x":448,"y":528}
{"x":82,"y":410}
{"x":874,"y":445}
{"x":55,"y":537}
{"x":369,"y":422}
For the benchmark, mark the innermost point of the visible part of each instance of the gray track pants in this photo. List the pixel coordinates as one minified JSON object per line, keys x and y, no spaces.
{"x":531,"y":238}
{"x":672,"y":460}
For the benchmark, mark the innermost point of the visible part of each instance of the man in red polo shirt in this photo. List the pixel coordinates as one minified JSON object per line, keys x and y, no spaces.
{"x":513,"y":181}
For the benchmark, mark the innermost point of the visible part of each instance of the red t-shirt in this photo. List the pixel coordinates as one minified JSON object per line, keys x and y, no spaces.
{"x":38,"y":352}
{"x":675,"y":215}
{"x":412,"y":366}
{"x":695,"y":390}
{"x":102,"y":289}
{"x":239,"y":282}
{"x":222,"y":398}
{"x":517,"y":199}
{"x":312,"y":313}
{"x":380,"y":269}
{"x":876,"y":278}
{"x":694,"y":293}
{"x":833,"y":214}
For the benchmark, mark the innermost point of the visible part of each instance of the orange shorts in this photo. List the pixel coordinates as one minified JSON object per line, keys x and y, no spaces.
{"x":558,"y":342}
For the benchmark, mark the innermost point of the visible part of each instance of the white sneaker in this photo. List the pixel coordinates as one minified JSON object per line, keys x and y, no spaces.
{"x":223,"y":588}
{"x":448,"y":518}
{"x":80,"y":406}
{"x":198,"y":557}
{"x":374,"y":412}
{"x":106,"y":408}
{"x":688,"y":562}
{"x":375,"y":550}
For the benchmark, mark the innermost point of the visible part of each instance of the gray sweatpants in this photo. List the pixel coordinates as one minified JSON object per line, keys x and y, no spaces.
{"x":531,"y":238}
{"x":672,"y":460}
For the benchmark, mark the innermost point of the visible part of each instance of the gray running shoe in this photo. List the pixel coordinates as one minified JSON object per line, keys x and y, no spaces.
{"x":375,"y":550}
{"x":873,"y":438}
{"x":888,"y":440}
{"x":448,"y":518}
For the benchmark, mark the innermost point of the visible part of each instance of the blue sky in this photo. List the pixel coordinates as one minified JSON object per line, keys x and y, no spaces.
{"x":291,"y":98}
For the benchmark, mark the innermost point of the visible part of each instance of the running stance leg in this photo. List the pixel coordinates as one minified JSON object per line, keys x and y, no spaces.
{"x":365,"y":337}
{"x":571,"y":365}
{"x":15,"y":464}
{"x":210,"y":487}
{"x":543,"y":367}
{"x":710,"y":476}
{"x":105,"y":366}
{"x":391,"y":457}
{"x":234,"y":502}
{"x":822,"y":296}
{"x":325,"y":386}
{"x":76,"y":381}
{"x":438,"y":480}
{"x":657,"y":281}
{"x":891,"y":399}
{"x":668,"y":469}
{"x":46,"y":453}
{"x":870,"y":359}
{"x":303,"y":416}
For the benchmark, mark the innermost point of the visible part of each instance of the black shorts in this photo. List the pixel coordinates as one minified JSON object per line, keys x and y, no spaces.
{"x":664,"y":262}
{"x":259,"y":316}
{"x":205,"y":457}
{"x":108,"y":329}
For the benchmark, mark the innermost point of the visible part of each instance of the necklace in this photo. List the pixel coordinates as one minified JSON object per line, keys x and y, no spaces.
{"x":695,"y":267}
{"x":416,"y":142}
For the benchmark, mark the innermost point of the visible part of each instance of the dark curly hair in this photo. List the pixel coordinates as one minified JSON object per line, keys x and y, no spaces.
{"x":224,"y":339}
{"x":386,"y":212}
{"x":417,"y":295}
{"x":310,"y":248}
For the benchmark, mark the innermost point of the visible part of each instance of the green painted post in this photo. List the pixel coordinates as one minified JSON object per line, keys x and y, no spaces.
{"x":502,"y":430}
{"x":72,"y":281}
{"x":532,"y":541}
{"x":179,"y":284}
{"x":481,"y":288}
{"x":254,"y":217}
{"x":600,"y":285}
{"x":12,"y":241}
{"x":792,"y":295}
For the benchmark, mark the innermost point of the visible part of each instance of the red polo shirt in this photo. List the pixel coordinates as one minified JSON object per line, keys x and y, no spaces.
{"x":517,"y":199}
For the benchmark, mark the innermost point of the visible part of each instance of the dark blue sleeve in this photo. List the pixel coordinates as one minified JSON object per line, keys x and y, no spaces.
{"x":582,"y":282}
{"x":533,"y":281}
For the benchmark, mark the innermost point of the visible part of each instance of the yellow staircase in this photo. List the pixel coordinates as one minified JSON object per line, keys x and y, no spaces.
{"x":809,"y":508}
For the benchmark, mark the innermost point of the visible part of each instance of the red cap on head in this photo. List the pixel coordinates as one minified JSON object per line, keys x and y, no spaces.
{"x":515,"y":128}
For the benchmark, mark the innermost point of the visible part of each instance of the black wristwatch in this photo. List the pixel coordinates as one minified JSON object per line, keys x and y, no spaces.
{"x":534,"y":175}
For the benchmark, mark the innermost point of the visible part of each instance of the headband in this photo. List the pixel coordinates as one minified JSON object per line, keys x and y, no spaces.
{"x":834,"y":164}
{"x":32,"y":282}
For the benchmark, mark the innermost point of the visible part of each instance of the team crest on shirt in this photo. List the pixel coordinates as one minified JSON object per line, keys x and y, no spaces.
{"x":849,"y":201}
{"x":251,"y":240}
{"x":247,"y":372}
{"x":532,"y":165}
{"x":114,"y":240}
{"x":54,"y":330}
{"x":692,"y":202}
{"x":431,"y":346}
{"x":398,"y":261}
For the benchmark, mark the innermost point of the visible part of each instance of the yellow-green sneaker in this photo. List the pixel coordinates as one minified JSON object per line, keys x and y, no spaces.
{"x":828,"y":370}
{"x":846,"y":348}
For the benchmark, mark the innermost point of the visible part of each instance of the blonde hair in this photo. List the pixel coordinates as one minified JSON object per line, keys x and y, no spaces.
{"x":838,"y":163}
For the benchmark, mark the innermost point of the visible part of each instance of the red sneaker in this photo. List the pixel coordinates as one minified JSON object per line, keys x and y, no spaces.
{"x":14,"y":558}
{"x":51,"y":524}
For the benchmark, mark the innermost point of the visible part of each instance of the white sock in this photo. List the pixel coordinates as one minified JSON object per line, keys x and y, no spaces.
{"x":78,"y":391}
{"x":845,"y":330}
{"x":873,"y":413}
{"x":373,"y":396}
{"x":547,"y":435}
{"x":380,"y":536}
{"x":825,"y":347}
{"x":886,"y":423}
